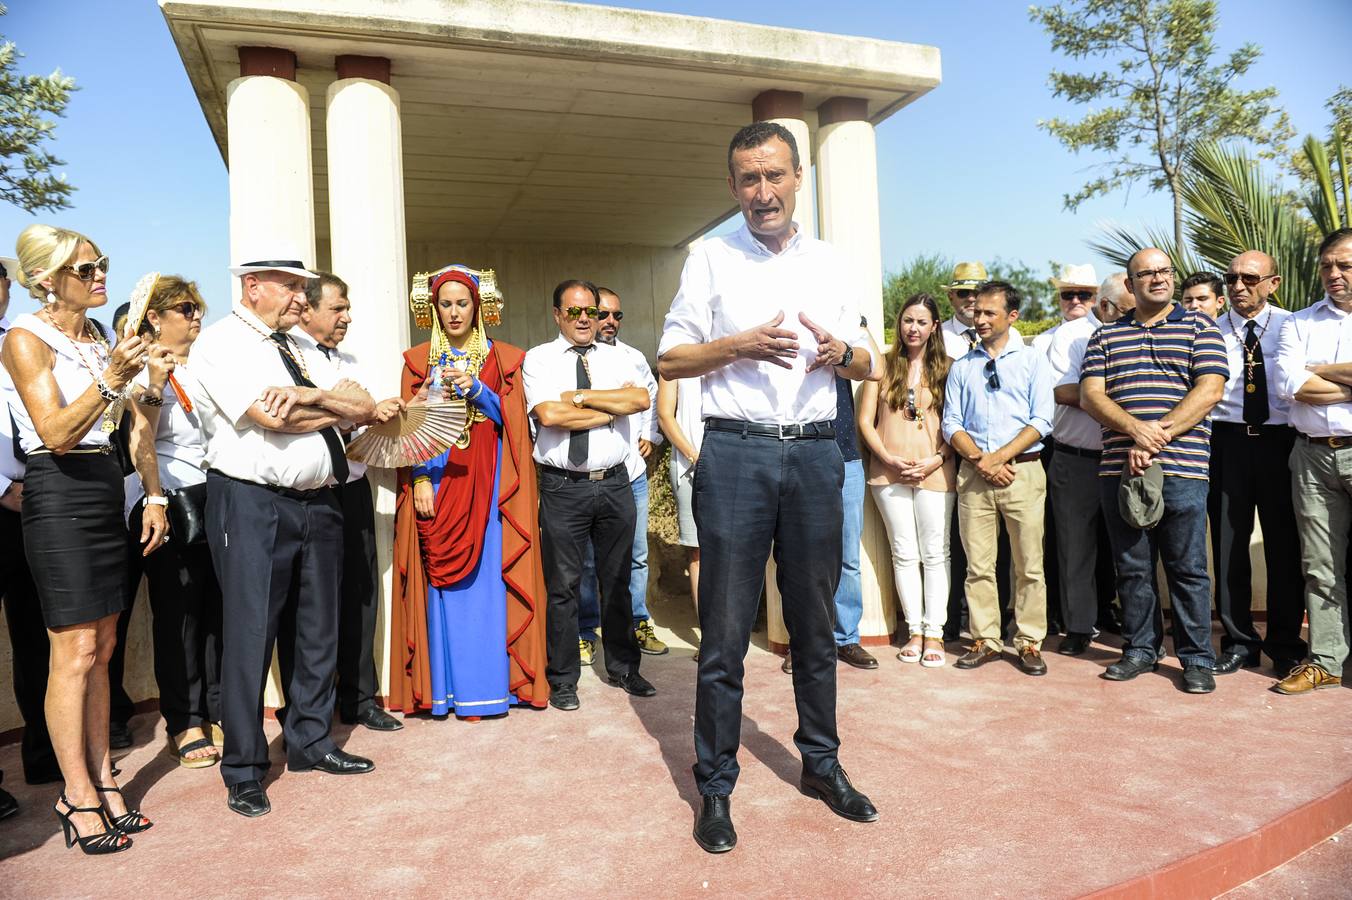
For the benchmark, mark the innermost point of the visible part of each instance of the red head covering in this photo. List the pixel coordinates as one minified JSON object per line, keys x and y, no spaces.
{"x":460,"y":276}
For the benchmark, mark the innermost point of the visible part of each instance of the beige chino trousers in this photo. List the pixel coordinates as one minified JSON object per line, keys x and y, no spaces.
{"x":981,"y":506}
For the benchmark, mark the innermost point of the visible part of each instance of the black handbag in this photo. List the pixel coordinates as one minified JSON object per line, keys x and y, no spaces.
{"x":187,"y":514}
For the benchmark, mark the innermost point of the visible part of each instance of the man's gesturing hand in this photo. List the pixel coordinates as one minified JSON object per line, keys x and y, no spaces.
{"x":829,"y":350}
{"x":769,"y":343}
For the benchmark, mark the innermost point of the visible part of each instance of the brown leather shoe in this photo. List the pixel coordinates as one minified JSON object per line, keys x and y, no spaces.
{"x":977,"y":655}
{"x":856,"y":656}
{"x":1030,"y":660}
{"x":1305,"y":678}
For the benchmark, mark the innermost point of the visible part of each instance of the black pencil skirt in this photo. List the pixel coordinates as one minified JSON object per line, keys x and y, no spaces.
{"x":74,"y":536}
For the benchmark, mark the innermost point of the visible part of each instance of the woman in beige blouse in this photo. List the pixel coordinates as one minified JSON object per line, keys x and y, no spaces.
{"x":912,"y":473}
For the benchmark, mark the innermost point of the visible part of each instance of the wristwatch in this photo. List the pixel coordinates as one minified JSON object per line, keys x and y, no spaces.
{"x":577,"y":399}
{"x":847,"y":358}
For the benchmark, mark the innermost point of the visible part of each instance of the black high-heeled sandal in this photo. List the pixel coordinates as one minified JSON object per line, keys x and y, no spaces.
{"x":114,"y":840}
{"x":131,"y":821}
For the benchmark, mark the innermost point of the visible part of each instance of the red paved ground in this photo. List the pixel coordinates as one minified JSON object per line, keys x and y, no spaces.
{"x":1324,"y":871}
{"x":989,"y":783}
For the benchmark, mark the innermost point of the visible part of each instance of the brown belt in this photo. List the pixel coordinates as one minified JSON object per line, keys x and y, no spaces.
{"x":1336,"y":442}
{"x":1027,"y":457}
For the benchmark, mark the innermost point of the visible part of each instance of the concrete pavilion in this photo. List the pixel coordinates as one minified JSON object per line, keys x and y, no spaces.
{"x":544,"y":140}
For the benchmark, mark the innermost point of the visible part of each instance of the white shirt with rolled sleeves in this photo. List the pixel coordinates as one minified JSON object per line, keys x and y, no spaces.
{"x":1064,"y":346}
{"x":644,"y":424}
{"x":234,"y":364}
{"x":734,"y":283}
{"x":1232,"y":326}
{"x":1317,"y":335}
{"x":326,"y":370}
{"x":550,"y":370}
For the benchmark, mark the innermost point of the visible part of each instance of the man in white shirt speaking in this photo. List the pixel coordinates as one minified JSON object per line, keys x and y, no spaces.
{"x":768,"y":316}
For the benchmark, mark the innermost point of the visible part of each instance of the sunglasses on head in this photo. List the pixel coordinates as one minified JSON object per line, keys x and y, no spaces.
{"x":992,"y":378}
{"x":576,"y":312}
{"x":85,"y":271}
{"x":603,"y":314}
{"x":1248,"y":279}
{"x":1077,"y":295}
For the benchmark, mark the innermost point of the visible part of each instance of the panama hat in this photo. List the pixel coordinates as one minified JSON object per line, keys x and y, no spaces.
{"x":1076,"y":276}
{"x":967,"y":275}
{"x":289,"y":266}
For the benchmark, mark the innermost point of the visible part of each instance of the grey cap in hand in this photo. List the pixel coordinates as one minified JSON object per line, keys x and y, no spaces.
{"x":1140,"y":498}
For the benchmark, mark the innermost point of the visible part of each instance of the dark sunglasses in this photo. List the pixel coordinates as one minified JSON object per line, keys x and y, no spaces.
{"x":603,"y":314}
{"x":187,"y":309}
{"x":992,"y":379}
{"x":1077,"y":295}
{"x":576,"y":312}
{"x":964,"y":295}
{"x":1248,"y":279}
{"x":85,"y":271}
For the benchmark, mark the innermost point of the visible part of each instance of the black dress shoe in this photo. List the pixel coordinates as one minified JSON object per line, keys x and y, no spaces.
{"x":836,"y":792}
{"x":1233,"y":661}
{"x":1073,"y":644}
{"x":8,"y":805}
{"x":1128,"y":667}
{"x":713,"y":826}
{"x":563,"y":696}
{"x":248,"y":799}
{"x":634,"y":683}
{"x":119,"y":735}
{"x":857,"y":656}
{"x":338,"y":762}
{"x":1198,"y":680}
{"x":374,"y":718}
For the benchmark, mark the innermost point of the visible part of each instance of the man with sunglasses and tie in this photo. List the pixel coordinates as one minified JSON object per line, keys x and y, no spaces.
{"x":1251,"y":443}
{"x":583,"y":395}
{"x":274,"y":525}
{"x":998,"y":407}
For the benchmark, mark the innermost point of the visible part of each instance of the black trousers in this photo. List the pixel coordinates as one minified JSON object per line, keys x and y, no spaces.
{"x":360,"y":601}
{"x":573,"y":514}
{"x":185,"y":605}
{"x":1250,"y":474}
{"x":752,"y":493}
{"x":277,"y":558}
{"x":1051,"y":557}
{"x":30,"y":650}
{"x":120,"y":705}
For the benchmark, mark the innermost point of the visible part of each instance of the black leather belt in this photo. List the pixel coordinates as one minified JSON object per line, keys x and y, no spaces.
{"x":289,"y":493}
{"x":586,"y":475}
{"x":1058,"y":447}
{"x":1337,"y":442}
{"x":810,"y":432}
{"x":1244,"y":430}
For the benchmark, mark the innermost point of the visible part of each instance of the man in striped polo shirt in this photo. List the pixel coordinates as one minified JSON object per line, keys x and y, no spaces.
{"x":1151,"y":379}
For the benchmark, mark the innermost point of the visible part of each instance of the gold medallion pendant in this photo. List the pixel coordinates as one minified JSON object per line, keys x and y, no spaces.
{"x":1250,"y":388}
{"x":108,"y":426}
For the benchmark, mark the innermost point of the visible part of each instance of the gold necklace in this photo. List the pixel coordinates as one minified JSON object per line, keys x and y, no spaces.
{"x":112,"y":414}
{"x":1250,"y":361}
{"x":283,"y":345}
{"x":474,"y":353}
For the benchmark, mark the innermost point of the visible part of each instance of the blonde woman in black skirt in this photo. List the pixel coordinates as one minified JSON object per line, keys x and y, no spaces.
{"x":72,"y":387}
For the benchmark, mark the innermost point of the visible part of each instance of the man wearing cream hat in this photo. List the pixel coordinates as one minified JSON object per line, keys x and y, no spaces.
{"x":960,"y":331}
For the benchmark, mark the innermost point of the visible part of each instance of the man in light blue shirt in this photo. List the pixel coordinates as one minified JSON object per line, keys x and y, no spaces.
{"x":998,"y":406}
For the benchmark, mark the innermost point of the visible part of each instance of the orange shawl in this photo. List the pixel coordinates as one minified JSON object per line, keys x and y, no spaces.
{"x":522,"y":570}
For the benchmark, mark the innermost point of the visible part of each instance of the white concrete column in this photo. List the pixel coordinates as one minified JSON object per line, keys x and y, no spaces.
{"x":366,"y":234}
{"x":847,"y":181}
{"x":786,"y":108}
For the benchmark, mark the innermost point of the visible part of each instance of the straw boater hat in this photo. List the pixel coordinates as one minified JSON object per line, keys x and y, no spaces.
{"x":289,"y":266}
{"x":11,"y":268}
{"x":1076,"y":276}
{"x":967,"y":275}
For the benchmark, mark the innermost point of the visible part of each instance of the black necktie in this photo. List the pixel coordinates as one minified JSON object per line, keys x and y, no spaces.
{"x":577,"y":440}
{"x":330,"y":435}
{"x":1255,"y":380}
{"x":327,"y":351}
{"x":971,"y":336}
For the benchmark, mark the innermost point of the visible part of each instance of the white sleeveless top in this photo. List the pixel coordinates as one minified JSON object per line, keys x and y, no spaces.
{"x":72,"y":379}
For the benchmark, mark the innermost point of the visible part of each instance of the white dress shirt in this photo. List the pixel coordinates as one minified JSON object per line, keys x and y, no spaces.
{"x":1064,"y":346}
{"x":1269,"y":325}
{"x":733,"y":283}
{"x":11,"y":470}
{"x":957,"y":343}
{"x":550,"y":370}
{"x":234,"y":363}
{"x":180,"y":450}
{"x":326,"y":370}
{"x":643,"y":424}
{"x":1317,"y":335}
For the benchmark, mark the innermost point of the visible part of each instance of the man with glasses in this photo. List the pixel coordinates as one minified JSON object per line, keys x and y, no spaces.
{"x":1114,"y":300}
{"x":1204,"y":292}
{"x":643,"y":435}
{"x":1151,"y":379}
{"x":1251,"y":444}
{"x":583,"y":397}
{"x":1314,"y":362}
{"x":998,"y":407}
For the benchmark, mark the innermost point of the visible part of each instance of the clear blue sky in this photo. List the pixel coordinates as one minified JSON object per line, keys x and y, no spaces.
{"x":964,"y":171}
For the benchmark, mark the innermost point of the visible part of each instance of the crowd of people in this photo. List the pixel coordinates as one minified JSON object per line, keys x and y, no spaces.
{"x":1027,"y":486}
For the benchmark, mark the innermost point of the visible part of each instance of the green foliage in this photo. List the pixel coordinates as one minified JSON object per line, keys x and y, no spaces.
{"x":26,"y":101}
{"x":1157,"y":96}
{"x":929,"y":272}
{"x":1030,"y":328}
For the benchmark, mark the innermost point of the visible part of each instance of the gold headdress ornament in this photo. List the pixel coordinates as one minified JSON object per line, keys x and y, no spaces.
{"x":420,"y":298}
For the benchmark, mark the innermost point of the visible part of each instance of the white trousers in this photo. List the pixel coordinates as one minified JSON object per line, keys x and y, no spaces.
{"x":918,"y":523}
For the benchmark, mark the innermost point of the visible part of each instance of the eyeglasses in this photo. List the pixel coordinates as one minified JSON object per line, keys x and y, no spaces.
{"x":1249,"y":280}
{"x":603,"y":314}
{"x":85,"y":271}
{"x":187,"y":309}
{"x":1083,"y":296}
{"x":964,"y":295}
{"x":910,"y":411}
{"x":576,"y":312}
{"x":1165,"y":273}
{"x":992,"y":379}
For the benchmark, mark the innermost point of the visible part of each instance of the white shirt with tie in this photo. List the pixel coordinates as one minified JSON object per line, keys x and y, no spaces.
{"x":235,"y":360}
{"x":550,"y":370}
{"x":1234,"y":329}
{"x":1317,"y":335}
{"x":326,"y":370}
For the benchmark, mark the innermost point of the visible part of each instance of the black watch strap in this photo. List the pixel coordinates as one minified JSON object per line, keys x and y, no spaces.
{"x":847,"y":358}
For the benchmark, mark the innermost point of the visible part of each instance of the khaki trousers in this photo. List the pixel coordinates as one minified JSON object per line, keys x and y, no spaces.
{"x":981,"y":506}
